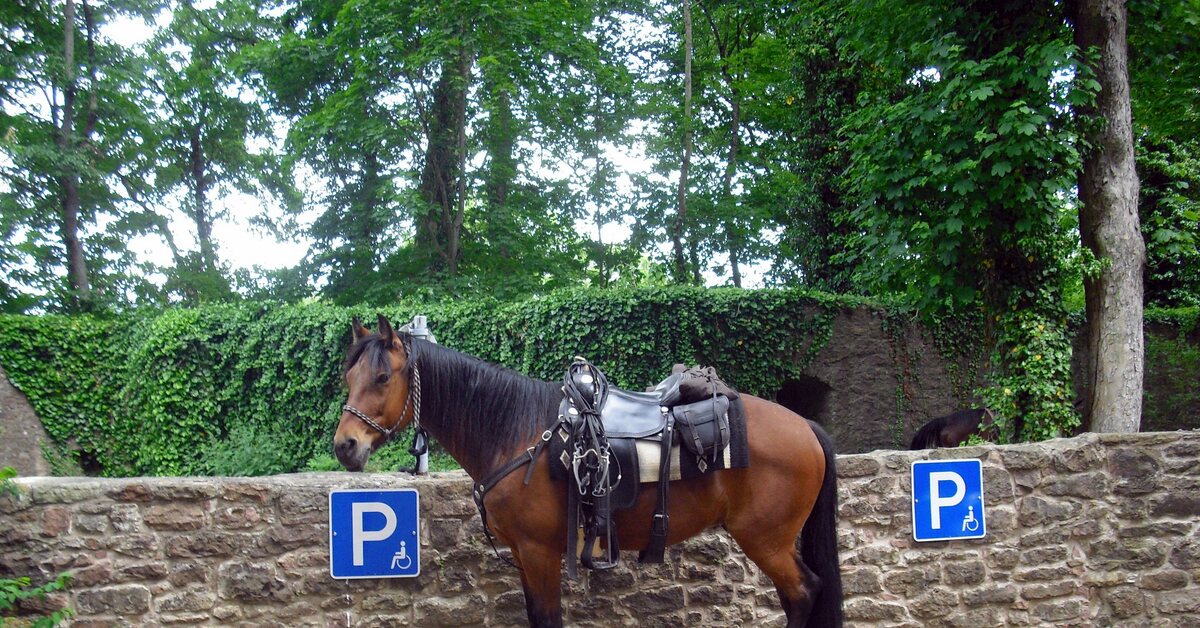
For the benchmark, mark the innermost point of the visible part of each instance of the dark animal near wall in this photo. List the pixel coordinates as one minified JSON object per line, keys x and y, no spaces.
{"x":488,"y":418}
{"x":955,"y":429}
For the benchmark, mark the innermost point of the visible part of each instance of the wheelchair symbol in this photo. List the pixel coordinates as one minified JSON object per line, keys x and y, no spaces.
{"x":970,"y":523}
{"x":401,"y":560}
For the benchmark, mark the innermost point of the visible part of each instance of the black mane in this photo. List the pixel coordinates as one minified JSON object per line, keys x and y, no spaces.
{"x":482,"y":412}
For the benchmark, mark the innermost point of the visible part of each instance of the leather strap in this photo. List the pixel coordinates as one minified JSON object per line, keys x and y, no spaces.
{"x":656,"y":547}
{"x":481,"y":489}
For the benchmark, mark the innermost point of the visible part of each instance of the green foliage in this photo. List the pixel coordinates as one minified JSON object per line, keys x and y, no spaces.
{"x":1172,"y":399}
{"x":1169,"y":207}
{"x":1031,"y":393}
{"x":251,"y":389}
{"x":14,"y":590}
{"x":965,"y":174}
{"x":7,"y":486}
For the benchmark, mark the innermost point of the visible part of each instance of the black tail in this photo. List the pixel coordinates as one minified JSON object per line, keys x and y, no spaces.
{"x":819,"y":542}
{"x":929,"y":436}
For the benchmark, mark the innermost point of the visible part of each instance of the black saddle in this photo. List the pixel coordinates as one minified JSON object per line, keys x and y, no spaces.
{"x":599,"y":429}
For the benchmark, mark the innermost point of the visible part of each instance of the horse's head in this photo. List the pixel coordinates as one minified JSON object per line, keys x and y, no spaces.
{"x":378,"y":406}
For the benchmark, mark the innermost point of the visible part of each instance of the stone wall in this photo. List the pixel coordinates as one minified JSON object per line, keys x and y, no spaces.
{"x":1096,"y":530}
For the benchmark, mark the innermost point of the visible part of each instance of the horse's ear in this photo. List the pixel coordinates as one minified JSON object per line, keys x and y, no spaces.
{"x":385,"y":330}
{"x":356,"y":327}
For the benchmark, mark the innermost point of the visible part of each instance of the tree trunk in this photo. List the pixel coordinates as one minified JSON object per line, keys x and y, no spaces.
{"x":732,"y":239}
{"x":1109,"y":226}
{"x":442,"y":176}
{"x":77,"y":272}
{"x":677,"y":228}
{"x":200,"y":214}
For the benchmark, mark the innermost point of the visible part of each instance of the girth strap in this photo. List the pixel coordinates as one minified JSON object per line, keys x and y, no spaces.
{"x":657,"y":545}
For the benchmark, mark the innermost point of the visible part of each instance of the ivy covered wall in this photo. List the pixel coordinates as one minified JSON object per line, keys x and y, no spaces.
{"x":255,"y":388}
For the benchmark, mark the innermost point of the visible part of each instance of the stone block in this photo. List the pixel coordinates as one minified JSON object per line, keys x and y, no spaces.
{"x":935,"y":602}
{"x":1060,"y":610}
{"x":1044,"y":574}
{"x":1182,"y":601}
{"x":56,"y":520}
{"x":466,"y":610}
{"x":208,"y":543}
{"x":1049,"y":590}
{"x":857,"y":466}
{"x":125,"y":600}
{"x":1132,"y":554}
{"x":238,"y":517}
{"x":1092,"y":485}
{"x":1185,"y":505}
{"x":997,"y":485}
{"x":183,"y":573}
{"x":1075,"y":459}
{"x":986,"y":595}
{"x":872,"y":610}
{"x":251,"y":582}
{"x":861,"y":581}
{"x":444,"y":532}
{"x":655,"y":601}
{"x":1186,"y":555}
{"x":176,"y":517}
{"x":1125,"y":602}
{"x":912,"y":581}
{"x":285,"y":538}
{"x":1035,"y":510}
{"x":1164,"y":580}
{"x":151,"y":571}
{"x":964,"y":573}
{"x":1024,"y":457}
{"x":1134,"y":471}
{"x":192,"y":599}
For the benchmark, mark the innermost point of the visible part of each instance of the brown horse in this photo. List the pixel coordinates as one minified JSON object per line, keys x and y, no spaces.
{"x":487,"y":416}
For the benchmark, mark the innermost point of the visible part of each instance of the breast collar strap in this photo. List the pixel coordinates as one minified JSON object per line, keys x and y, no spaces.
{"x":528,"y":457}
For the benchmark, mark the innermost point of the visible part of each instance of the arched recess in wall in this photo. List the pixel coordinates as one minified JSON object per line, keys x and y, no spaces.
{"x":806,"y":396}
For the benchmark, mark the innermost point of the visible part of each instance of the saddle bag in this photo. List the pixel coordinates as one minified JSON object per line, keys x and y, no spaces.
{"x":703,"y":427}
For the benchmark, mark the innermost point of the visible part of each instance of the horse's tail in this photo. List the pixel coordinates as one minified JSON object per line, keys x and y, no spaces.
{"x":929,"y":436}
{"x":819,"y":542}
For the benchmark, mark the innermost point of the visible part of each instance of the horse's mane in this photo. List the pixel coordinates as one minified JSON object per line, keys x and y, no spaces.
{"x":929,"y":436}
{"x":481,"y":411}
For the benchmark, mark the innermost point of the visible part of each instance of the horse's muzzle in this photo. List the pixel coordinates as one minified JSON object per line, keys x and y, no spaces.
{"x":352,"y":453}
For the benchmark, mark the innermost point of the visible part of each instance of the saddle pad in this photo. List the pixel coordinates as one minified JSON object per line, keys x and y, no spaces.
{"x":735,"y":456}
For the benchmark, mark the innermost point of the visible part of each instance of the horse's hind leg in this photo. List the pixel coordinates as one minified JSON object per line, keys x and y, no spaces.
{"x":795,"y":583}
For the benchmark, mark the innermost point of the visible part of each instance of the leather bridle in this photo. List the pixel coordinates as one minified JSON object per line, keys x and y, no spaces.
{"x":413,"y":401}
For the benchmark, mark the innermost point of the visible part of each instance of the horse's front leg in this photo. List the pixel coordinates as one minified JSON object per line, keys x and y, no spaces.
{"x":541,"y":577}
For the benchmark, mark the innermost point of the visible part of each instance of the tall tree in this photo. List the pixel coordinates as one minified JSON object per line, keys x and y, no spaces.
{"x":212,"y":139}
{"x":1109,"y":225}
{"x":72,"y":112}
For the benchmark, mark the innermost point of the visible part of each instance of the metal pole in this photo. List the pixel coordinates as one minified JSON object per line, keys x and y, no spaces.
{"x":419,"y":329}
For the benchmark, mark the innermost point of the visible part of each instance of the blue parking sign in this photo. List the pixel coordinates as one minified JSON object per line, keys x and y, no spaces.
{"x":947,"y":500}
{"x":373,"y":533}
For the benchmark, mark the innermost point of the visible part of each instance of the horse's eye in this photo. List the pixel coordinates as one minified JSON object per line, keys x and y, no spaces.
{"x":382,"y":379}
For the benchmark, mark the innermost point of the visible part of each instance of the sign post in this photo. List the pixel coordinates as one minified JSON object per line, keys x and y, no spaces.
{"x":374,"y":533}
{"x":947,"y":500}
